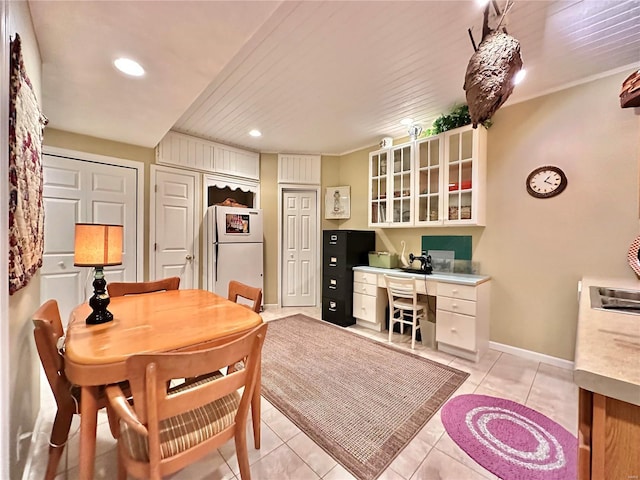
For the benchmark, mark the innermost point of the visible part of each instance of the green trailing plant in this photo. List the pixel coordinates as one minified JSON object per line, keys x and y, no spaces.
{"x":458,"y":117}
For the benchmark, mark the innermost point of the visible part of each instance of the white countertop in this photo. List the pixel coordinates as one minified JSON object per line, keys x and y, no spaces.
{"x":460,"y":278}
{"x":607,"y":359}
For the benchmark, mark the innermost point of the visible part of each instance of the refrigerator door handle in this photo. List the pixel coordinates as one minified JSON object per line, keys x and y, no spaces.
{"x":215,"y":269}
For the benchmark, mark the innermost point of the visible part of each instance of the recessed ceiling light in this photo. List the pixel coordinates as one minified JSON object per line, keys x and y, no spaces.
{"x":519,"y":76}
{"x":406,"y":121}
{"x":255,"y":133}
{"x":128,"y":66}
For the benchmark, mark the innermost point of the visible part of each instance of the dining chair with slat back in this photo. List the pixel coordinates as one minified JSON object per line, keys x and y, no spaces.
{"x":119,"y":289}
{"x":239,"y":290}
{"x":403,"y":305}
{"x":47,"y":331}
{"x":253,"y":294}
{"x":164,"y":431}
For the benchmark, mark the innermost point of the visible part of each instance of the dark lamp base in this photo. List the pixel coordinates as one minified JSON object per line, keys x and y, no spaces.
{"x":99,"y":316}
{"x":100,"y":301}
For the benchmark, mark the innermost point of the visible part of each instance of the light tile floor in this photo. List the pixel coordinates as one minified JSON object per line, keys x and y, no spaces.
{"x":287,"y":453}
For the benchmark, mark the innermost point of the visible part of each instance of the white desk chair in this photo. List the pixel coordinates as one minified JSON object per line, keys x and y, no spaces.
{"x":403,"y":300}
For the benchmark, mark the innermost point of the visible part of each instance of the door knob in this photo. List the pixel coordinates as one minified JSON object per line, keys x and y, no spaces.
{"x":188,"y":257}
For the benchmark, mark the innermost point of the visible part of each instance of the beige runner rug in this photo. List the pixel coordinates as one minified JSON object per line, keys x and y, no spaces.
{"x":362,"y":401}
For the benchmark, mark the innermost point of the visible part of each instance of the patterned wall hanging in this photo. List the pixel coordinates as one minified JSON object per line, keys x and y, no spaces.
{"x":26,"y":211}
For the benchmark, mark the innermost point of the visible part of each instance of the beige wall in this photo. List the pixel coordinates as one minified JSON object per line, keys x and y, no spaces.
{"x":537,"y":250}
{"x":99,"y":146}
{"x":330,"y":177}
{"x":24,"y":365}
{"x":269,"y":205}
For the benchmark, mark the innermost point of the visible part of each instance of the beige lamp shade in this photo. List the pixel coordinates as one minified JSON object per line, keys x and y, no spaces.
{"x":98,"y":245}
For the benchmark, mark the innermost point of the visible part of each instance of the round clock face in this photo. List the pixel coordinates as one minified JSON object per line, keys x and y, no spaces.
{"x":545,"y":182}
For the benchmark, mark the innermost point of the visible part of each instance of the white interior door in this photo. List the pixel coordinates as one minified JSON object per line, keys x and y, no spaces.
{"x":83,"y":191}
{"x":299,"y":249}
{"x":174,"y":249}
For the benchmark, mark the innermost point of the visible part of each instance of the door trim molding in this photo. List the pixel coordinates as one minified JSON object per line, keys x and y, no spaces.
{"x":117,"y":162}
{"x":282,"y":188}
{"x":197,"y":218}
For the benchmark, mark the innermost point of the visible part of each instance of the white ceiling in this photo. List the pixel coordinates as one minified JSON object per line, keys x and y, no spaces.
{"x":314,"y":77}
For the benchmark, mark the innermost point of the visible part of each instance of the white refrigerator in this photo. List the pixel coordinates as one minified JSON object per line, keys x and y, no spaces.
{"x":234,"y":248}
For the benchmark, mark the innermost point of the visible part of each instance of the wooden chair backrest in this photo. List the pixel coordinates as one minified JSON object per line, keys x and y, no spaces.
{"x":401,"y":288}
{"x":47,"y":330}
{"x":148,"y":376}
{"x":238,"y":289}
{"x":120,"y":289}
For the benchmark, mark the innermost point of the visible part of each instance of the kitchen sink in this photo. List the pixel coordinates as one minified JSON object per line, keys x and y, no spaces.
{"x":620,"y":300}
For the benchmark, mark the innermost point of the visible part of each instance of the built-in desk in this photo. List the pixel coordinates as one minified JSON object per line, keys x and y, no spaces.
{"x":462,"y":306}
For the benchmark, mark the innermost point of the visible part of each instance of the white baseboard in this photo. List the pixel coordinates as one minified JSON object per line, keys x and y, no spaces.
{"x":530,"y":355}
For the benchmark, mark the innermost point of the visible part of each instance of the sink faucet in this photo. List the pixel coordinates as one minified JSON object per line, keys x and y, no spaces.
{"x":425,"y":262}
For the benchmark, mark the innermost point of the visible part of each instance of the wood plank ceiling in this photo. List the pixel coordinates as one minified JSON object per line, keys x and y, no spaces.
{"x":323,"y":77}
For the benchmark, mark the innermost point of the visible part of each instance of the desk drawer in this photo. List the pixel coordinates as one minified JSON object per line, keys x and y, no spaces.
{"x":364,"y":307}
{"x":365,"y":277}
{"x":456,"y":330}
{"x":465,"y":292}
{"x":365,"y":288}
{"x":455,"y":305}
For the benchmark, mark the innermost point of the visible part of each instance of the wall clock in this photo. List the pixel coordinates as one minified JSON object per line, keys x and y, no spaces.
{"x":545,"y":182}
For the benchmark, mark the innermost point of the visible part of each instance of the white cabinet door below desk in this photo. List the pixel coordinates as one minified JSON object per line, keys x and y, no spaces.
{"x":462,"y":319}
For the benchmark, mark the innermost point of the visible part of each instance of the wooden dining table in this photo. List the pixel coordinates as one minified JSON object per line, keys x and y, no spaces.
{"x":177,"y":320}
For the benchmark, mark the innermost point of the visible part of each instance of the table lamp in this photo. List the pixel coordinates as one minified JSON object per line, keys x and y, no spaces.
{"x":98,"y":246}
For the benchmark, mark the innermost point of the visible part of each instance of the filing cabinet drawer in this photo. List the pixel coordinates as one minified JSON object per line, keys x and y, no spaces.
{"x":337,"y":312}
{"x":465,"y":292}
{"x":365,"y":288}
{"x":334,"y":262}
{"x":466,"y":307}
{"x":365,"y":277}
{"x":364,"y":307}
{"x":456,"y":330}
{"x":338,"y":286}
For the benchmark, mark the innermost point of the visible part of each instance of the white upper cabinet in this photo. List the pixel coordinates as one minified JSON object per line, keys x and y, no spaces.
{"x":429,"y":179}
{"x":465,"y":176}
{"x":432,"y":182}
{"x":391,"y":187}
{"x":177,"y":149}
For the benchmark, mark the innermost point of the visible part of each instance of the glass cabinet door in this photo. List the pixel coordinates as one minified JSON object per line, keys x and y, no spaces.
{"x":401,"y":184}
{"x":428,"y":186}
{"x":378,"y":185}
{"x":460,"y":174}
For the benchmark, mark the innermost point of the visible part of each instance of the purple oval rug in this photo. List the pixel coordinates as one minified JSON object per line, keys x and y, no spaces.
{"x":510,"y":440}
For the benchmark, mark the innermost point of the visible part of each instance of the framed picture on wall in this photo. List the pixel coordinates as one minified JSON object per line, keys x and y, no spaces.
{"x":337,"y":203}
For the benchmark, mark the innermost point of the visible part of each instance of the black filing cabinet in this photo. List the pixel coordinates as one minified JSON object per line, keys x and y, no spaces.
{"x":342,"y":250}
